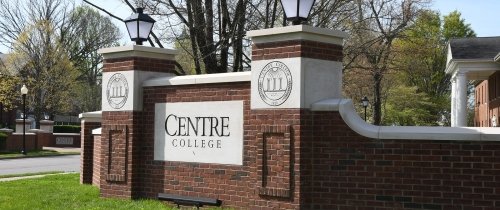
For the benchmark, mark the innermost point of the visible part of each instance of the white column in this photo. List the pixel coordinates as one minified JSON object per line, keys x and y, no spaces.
{"x":453,"y":103}
{"x":461,"y":102}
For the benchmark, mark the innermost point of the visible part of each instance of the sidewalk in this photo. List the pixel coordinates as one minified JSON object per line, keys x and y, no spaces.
{"x":63,"y":149}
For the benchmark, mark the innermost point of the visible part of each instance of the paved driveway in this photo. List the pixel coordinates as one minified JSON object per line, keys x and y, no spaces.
{"x":67,"y":163}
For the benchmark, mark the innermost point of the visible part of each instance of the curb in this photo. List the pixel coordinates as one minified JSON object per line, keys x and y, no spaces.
{"x":32,"y":176}
{"x":36,"y":156}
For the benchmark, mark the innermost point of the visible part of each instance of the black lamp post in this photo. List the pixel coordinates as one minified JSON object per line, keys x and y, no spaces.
{"x":297,"y":11}
{"x":139,"y":26}
{"x":24,"y":92}
{"x":365,"y":104}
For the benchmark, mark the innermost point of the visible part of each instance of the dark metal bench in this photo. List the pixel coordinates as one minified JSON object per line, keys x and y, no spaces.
{"x":189,"y":200}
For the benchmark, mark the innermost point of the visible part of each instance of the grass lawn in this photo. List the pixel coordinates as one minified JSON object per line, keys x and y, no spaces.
{"x":34,"y":153}
{"x":62,"y":192}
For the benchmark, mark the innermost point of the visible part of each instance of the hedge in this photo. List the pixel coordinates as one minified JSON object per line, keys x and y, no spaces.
{"x":67,"y":129}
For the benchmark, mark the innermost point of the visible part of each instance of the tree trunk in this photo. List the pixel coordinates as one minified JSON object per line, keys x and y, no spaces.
{"x":1,"y":114}
{"x":377,"y":104}
{"x":194,"y":46}
{"x":239,"y":21}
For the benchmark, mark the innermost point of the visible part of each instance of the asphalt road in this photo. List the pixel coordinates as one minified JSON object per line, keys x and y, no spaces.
{"x":67,"y":163}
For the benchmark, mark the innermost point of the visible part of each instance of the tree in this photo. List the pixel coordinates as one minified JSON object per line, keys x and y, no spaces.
{"x":421,"y":57}
{"x":406,"y":106}
{"x":45,"y":68}
{"x":89,"y":31}
{"x":216,"y":29}
{"x":379,"y":24}
{"x":54,"y":46}
{"x":455,"y":27}
{"x":9,"y":86}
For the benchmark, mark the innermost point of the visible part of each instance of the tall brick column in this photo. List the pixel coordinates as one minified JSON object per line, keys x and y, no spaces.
{"x":89,"y":122}
{"x":125,"y":68}
{"x":292,"y":68}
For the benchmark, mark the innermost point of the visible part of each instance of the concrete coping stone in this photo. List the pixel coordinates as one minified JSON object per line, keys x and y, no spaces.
{"x":27,"y":134}
{"x":346,"y":109}
{"x":66,"y":134}
{"x":138,"y":51}
{"x":6,"y":130}
{"x":297,"y":32}
{"x":199,"y":79}
{"x":97,"y":131}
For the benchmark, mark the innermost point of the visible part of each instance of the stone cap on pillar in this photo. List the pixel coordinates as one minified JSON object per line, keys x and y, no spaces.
{"x":91,"y":116}
{"x":46,"y":122}
{"x":137,"y":51}
{"x":297,"y":32}
{"x":20,"y":121}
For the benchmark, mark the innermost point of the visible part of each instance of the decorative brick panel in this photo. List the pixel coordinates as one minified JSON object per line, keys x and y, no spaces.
{"x":118,"y":145}
{"x":139,"y":63}
{"x":87,"y":151}
{"x":97,"y":163}
{"x":297,"y":48}
{"x":274,"y":160}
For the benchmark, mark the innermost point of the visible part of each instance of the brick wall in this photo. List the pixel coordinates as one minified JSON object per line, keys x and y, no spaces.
{"x":139,"y":63}
{"x":347,"y":171}
{"x":87,"y":151}
{"x":15,"y":142}
{"x":96,"y":167}
{"x":301,"y":159}
{"x":297,"y":48}
{"x":236,"y":186}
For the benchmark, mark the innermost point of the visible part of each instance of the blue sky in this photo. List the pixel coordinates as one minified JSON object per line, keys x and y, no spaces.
{"x":482,"y":15}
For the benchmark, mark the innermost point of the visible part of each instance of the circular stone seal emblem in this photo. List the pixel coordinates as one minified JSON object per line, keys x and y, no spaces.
{"x":117,"y":91}
{"x":275,"y":83}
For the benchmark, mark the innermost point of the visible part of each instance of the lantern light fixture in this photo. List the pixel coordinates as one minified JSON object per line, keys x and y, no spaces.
{"x":297,"y":11}
{"x":139,"y":26}
{"x":365,"y":101}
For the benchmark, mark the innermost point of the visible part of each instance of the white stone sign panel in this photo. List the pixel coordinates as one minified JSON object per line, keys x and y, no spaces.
{"x":64,"y":140}
{"x":201,"y":132}
{"x":294,"y":82}
{"x":121,"y":91}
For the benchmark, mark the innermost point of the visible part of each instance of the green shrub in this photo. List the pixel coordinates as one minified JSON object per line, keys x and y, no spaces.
{"x":3,"y":141}
{"x":67,"y":129}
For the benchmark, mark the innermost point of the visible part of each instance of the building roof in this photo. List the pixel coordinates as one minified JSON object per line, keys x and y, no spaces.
{"x":475,"y":48}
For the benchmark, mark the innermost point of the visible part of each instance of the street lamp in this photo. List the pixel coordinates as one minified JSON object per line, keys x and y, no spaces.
{"x":24,"y":92}
{"x":297,"y":11}
{"x":139,"y":26}
{"x":365,"y":104}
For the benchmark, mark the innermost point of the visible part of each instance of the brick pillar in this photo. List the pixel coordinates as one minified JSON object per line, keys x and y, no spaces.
{"x":89,"y":122}
{"x":292,"y":68}
{"x":125,"y":68}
